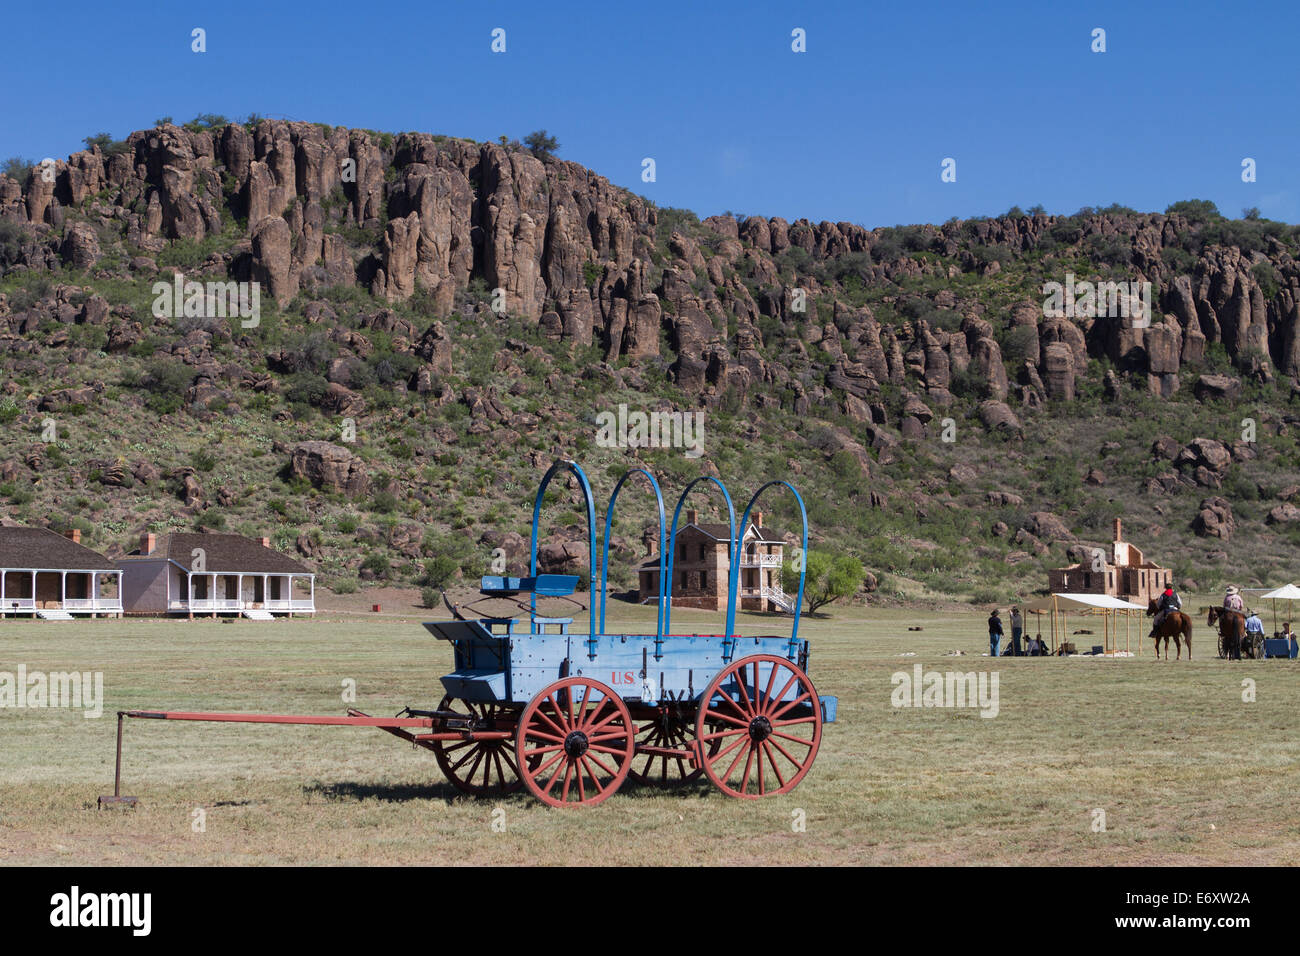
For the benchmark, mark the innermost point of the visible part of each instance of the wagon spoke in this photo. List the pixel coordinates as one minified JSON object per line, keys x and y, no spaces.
{"x":730,"y":720}
{"x":592,"y":757}
{"x":798,"y":740}
{"x":505,"y":755}
{"x":785,"y":753}
{"x":775,"y":769}
{"x":594,"y":725}
{"x":749,"y":759}
{"x":773,"y":701}
{"x":554,"y":726}
{"x":767,"y":691}
{"x":719,"y":734}
{"x":726,"y":699}
{"x":603,"y":737}
{"x":533,"y":732}
{"x":474,"y":766}
{"x":605,"y":750}
{"x":810,"y":719}
{"x":538,"y":751}
{"x":798,"y":700}
{"x":718,"y":758}
{"x":541,"y":769}
{"x":744,"y":691}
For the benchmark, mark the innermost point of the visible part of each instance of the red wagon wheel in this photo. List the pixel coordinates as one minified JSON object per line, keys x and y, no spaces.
{"x":481,"y":768}
{"x":767,"y":721}
{"x":665,"y":731}
{"x":574,"y":743}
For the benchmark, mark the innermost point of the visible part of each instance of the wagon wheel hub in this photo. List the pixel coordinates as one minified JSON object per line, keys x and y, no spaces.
{"x":760,"y":728}
{"x":576,"y":744}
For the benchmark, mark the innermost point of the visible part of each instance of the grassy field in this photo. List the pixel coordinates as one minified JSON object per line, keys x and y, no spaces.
{"x":1185,"y":771}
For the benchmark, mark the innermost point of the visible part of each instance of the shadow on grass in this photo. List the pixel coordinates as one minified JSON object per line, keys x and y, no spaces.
{"x":387,"y":792}
{"x":445,"y":792}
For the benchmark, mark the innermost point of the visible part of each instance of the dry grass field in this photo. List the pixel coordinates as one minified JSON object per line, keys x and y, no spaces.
{"x":1185,"y":771}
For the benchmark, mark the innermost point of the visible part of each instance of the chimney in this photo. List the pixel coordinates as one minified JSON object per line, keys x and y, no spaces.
{"x":147,"y":543}
{"x":692,"y":516}
{"x":265,"y":542}
{"x":1117,"y":529}
{"x":73,"y":535}
{"x":758,"y":518}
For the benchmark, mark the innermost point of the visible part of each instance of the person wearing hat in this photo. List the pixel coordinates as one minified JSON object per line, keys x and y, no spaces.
{"x":1017,"y":628}
{"x":1168,"y":601}
{"x":1232,"y":600}
{"x":1254,"y":630}
{"x":995,"y":633}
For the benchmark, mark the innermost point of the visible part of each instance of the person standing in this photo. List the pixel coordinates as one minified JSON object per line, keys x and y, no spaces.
{"x":995,"y":633}
{"x":1017,"y":629}
{"x":1254,"y":632}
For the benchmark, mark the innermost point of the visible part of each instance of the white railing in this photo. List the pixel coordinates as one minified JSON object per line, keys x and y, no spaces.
{"x":19,"y":604}
{"x":230,"y":604}
{"x":92,"y":604}
{"x":761,"y":560}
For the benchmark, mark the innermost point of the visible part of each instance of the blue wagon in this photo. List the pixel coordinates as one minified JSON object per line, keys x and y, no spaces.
{"x":571,"y":716}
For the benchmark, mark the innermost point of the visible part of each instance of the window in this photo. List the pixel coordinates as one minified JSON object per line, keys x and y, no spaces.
{"x":702,"y":552}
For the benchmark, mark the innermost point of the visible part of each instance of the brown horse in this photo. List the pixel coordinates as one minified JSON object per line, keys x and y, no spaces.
{"x":1175,"y":623}
{"x":1232,"y":631}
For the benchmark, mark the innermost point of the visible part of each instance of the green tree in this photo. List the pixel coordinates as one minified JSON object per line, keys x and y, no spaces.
{"x":1196,"y":210}
{"x":540,"y":144}
{"x":828,"y":578}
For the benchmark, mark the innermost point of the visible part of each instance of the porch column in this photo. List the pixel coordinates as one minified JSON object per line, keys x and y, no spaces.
{"x":311,"y":584}
{"x":94,"y":593}
{"x":212,"y":593}
{"x":2,"y":592}
{"x":189,"y":603}
{"x":63,"y":589}
{"x":266,"y":592}
{"x":239,"y":591}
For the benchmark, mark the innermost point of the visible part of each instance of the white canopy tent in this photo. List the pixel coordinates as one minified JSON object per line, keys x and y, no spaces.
{"x":1287,"y":592}
{"x":1059,"y":605}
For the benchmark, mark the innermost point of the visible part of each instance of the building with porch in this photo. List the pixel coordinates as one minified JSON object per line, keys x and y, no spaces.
{"x":54,"y":576}
{"x":1128,"y":575}
{"x":703,"y":561}
{"x":215,"y":574}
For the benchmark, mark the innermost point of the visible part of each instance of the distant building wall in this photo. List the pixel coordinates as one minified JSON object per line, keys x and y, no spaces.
{"x":144,"y":586}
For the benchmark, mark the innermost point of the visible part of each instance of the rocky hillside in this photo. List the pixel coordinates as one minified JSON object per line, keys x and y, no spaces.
{"x":441,"y":318}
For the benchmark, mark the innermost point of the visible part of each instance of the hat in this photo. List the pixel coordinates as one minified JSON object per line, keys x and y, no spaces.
{"x":995,"y":612}
{"x":1232,"y":589}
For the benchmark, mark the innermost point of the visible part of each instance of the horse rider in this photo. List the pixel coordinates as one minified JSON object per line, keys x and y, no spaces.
{"x":1232,"y":601}
{"x":1169,"y":601}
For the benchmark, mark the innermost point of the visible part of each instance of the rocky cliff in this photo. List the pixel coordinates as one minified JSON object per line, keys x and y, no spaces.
{"x":380,"y":255}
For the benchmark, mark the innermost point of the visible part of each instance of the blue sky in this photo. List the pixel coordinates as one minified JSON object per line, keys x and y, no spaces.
{"x":854,"y":129}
